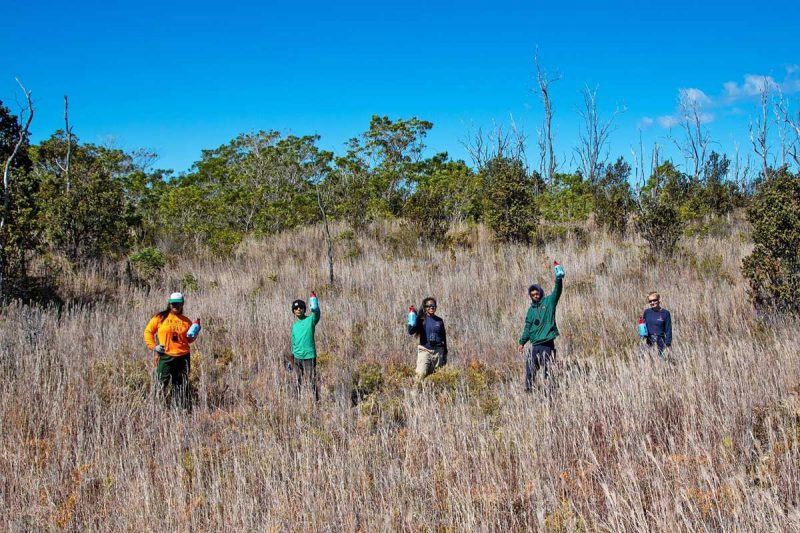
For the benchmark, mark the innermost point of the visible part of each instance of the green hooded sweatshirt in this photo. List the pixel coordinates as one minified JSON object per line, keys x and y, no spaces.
{"x":303,"y":336}
{"x":540,"y":323}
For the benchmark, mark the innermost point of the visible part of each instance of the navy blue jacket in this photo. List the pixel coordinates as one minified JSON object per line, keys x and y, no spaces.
{"x":659,"y":327}
{"x":440,"y":336}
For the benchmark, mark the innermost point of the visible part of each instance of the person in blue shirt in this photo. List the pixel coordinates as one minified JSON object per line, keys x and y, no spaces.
{"x":659,"y":324}
{"x":432,"y":348}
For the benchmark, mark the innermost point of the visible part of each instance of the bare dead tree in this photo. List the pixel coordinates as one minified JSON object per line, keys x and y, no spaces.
{"x":740,"y":172}
{"x":792,"y":124}
{"x":68,"y":134}
{"x":328,"y":237}
{"x":23,"y":134}
{"x":592,"y":136}
{"x":696,"y":139}
{"x":780,"y":110}
{"x":475,"y":146}
{"x":518,"y":139}
{"x":654,"y":163}
{"x":543,"y":81}
{"x":638,"y":165}
{"x":540,"y":140}
{"x":759,"y":131}
{"x":498,"y":142}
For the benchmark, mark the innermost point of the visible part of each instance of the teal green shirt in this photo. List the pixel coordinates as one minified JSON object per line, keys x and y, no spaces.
{"x":303,"y":336}
{"x":540,"y":323}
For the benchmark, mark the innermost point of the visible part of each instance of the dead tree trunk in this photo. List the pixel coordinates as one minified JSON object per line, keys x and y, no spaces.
{"x":544,"y":81}
{"x":328,"y":237}
{"x":594,"y":136}
{"x":21,"y":138}
{"x":759,"y":132}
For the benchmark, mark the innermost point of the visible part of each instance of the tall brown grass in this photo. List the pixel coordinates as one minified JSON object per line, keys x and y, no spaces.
{"x":623,"y":443}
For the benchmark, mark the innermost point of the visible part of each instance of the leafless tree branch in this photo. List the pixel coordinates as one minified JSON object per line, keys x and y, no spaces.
{"x":593,"y":136}
{"x":543,"y":81}
{"x":24,"y":133}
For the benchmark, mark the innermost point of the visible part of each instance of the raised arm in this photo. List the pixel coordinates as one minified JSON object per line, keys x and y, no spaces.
{"x":557,"y":290}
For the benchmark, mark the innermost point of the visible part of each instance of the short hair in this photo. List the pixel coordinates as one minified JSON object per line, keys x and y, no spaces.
{"x":654,"y":293}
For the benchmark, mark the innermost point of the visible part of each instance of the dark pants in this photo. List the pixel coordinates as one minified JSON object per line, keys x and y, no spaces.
{"x":538,"y":356}
{"x":173,"y":374}
{"x":306,"y":369}
{"x":657,"y":341}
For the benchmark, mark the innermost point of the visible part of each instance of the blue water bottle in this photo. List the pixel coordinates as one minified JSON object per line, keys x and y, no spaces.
{"x":194,"y":329}
{"x":412,"y":316}
{"x":313,"y":302}
{"x":558,"y":269}
{"x":642,"y":327}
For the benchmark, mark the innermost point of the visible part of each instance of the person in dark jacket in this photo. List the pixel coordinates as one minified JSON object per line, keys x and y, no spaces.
{"x":659,"y":324}
{"x":541,"y":331}
{"x":432,"y":348}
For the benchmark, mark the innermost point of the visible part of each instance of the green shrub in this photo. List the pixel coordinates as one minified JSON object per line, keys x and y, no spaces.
{"x":367,"y":379}
{"x":447,"y":379}
{"x":773,"y":269}
{"x":189,"y":283}
{"x":509,"y":208}
{"x":613,"y":201}
{"x":121,"y":377}
{"x":147,"y":262}
{"x":658,"y":222}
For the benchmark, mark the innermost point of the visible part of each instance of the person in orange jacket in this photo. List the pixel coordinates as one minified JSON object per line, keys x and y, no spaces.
{"x":165,"y":335}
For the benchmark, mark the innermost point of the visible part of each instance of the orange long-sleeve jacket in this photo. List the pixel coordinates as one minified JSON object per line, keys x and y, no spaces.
{"x":169,"y":333}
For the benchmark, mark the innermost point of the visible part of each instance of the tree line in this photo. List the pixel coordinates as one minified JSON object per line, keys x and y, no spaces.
{"x":76,"y":202}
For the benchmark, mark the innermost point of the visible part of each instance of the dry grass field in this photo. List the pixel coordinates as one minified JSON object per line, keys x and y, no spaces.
{"x":706,"y":442}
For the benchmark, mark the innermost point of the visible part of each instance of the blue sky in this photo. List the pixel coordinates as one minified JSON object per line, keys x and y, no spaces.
{"x":179,"y":77}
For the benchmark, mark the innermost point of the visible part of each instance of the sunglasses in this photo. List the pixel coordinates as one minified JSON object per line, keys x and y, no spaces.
{"x":653,"y":301}
{"x":297,"y":307}
{"x":430,"y":307}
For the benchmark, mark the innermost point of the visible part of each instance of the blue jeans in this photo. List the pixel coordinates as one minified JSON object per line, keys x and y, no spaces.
{"x":538,"y":356}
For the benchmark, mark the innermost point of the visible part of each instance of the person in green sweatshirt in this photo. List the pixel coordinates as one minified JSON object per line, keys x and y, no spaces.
{"x":540,"y":331}
{"x":304,"y":350}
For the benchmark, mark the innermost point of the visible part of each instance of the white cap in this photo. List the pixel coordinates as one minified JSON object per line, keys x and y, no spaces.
{"x":176,"y":298}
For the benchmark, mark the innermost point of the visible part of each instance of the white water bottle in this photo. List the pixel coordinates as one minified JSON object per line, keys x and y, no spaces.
{"x":313,"y":302}
{"x":412,"y":316}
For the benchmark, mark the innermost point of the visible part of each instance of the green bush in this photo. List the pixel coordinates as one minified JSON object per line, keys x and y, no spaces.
{"x":189,"y":283}
{"x":659,"y":223}
{"x":367,"y":379}
{"x":147,"y":262}
{"x":509,"y":208}
{"x":613,"y":201}
{"x":773,"y":269}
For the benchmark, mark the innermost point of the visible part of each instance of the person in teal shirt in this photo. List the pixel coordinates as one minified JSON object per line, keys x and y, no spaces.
{"x":540,"y":331}
{"x":304,"y":350}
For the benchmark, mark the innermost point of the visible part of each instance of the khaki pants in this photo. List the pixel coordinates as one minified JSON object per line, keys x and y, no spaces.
{"x":428,"y":361}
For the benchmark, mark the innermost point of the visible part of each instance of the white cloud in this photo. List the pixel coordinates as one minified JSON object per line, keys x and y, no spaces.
{"x":792,"y":69}
{"x":732,"y":90}
{"x":753,"y":85}
{"x":695,"y":97}
{"x":668,"y":121}
{"x":791,"y":86}
{"x":644,"y":123}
